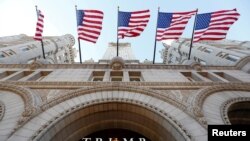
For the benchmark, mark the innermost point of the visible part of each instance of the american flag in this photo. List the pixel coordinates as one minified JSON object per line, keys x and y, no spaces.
{"x":172,"y":25}
{"x":132,"y":24}
{"x":39,"y":26}
{"x":214,"y":26}
{"x":89,"y":24}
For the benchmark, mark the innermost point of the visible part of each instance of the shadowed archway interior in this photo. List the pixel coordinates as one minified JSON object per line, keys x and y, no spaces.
{"x":239,"y":113}
{"x":113,"y":115}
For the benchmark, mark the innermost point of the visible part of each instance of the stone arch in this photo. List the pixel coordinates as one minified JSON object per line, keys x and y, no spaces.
{"x":55,"y":111}
{"x":227,"y":104}
{"x":24,"y":93}
{"x":209,"y":101}
{"x":30,"y":105}
{"x":11,"y":110}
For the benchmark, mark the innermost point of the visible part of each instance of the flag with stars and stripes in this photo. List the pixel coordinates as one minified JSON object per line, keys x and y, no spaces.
{"x":89,"y":24}
{"x":132,"y":24}
{"x":39,"y":26}
{"x":172,"y":25}
{"x":215,"y":25}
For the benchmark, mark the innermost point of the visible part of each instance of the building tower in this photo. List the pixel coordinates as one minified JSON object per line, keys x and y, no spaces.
{"x":125,"y":52}
{"x":118,"y":99}
{"x":217,"y":53}
{"x":22,"y":49}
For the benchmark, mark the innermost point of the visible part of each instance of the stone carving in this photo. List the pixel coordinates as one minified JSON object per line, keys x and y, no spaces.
{"x":26,"y":95}
{"x":227,"y":104}
{"x":2,"y":108}
{"x":36,"y":64}
{"x":117,"y":63}
{"x":53,"y":121}
{"x":203,"y":94}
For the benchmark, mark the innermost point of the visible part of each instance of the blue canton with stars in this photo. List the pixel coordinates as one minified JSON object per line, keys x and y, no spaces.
{"x":203,"y":21}
{"x":123,"y":18}
{"x":164,"y":20}
{"x":79,"y":15}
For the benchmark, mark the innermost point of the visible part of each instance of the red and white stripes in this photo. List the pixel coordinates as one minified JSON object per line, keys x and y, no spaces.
{"x":91,"y":26}
{"x":137,"y":23}
{"x":219,"y":25}
{"x":39,"y":26}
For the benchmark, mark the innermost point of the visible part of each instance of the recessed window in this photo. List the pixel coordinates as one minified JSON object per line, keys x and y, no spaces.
{"x":2,"y":55}
{"x":116,"y":75}
{"x":25,"y":48}
{"x":6,"y":73}
{"x":221,"y":54}
{"x":232,"y":58}
{"x":39,"y":76}
{"x":208,"y":50}
{"x":21,"y":75}
{"x":191,"y":76}
{"x":209,"y":76}
{"x":226,"y":76}
{"x":9,"y":52}
{"x":135,"y":76}
{"x":97,"y":76}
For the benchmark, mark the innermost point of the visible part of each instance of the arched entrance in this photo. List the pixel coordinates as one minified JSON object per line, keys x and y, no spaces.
{"x":84,"y":112}
{"x":113,"y":115}
{"x":239,"y":113}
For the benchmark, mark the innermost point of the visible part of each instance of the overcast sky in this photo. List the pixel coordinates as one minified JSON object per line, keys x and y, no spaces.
{"x":19,"y":17}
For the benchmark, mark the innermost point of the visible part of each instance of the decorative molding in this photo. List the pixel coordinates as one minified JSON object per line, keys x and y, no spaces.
{"x":126,"y":66}
{"x":26,"y":95}
{"x":62,"y":115}
{"x":117,"y":63}
{"x":204,"y":93}
{"x":2,"y":110}
{"x":227,"y":104}
{"x":243,"y":62}
{"x":112,"y":87}
{"x":153,"y":85}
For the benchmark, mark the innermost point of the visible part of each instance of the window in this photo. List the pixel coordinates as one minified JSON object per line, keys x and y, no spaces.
{"x":97,"y":76}
{"x":6,"y":73}
{"x":207,"y":50}
{"x":221,"y":54}
{"x":2,"y":55}
{"x":39,"y":76}
{"x":201,"y":61}
{"x":9,"y":52}
{"x":116,"y":75}
{"x":21,"y":75}
{"x":25,"y":48}
{"x":209,"y":76}
{"x":232,"y":58}
{"x":191,"y":76}
{"x":226,"y":76}
{"x":135,"y":76}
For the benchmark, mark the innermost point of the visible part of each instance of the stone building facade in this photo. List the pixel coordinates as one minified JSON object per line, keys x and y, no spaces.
{"x":22,"y":49}
{"x":161,"y":102}
{"x":217,"y":53}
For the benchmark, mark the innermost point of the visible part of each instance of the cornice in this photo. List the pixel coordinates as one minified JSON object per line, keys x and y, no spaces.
{"x":152,"y":85}
{"x":106,"y":66}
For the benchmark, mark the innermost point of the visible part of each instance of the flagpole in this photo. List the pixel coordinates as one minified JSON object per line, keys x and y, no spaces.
{"x":156,"y":35}
{"x":79,"y":43}
{"x":117,"y":42}
{"x":42,"y":39}
{"x":191,"y":43}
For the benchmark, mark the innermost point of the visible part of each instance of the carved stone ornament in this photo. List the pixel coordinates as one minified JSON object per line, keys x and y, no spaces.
{"x":117,"y":63}
{"x":35,"y":65}
{"x":2,"y":108}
